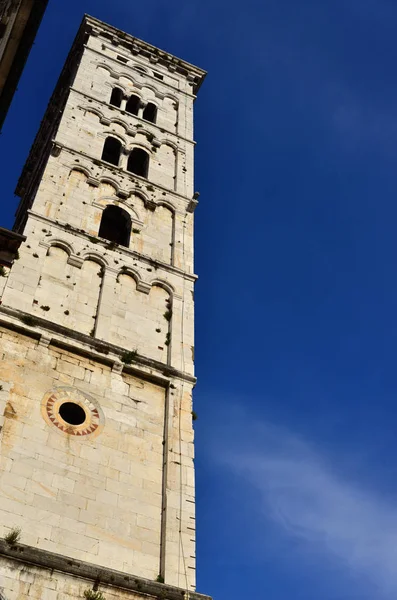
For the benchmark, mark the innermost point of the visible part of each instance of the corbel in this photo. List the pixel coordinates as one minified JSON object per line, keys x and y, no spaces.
{"x":117,"y":367}
{"x":143,"y":287}
{"x":93,"y":181}
{"x":75,"y":261}
{"x":56,"y":149}
{"x":123,"y":194}
{"x":44,"y":341}
{"x":191,"y":207}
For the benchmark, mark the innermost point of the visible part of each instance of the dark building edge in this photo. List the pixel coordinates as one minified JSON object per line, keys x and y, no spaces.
{"x":21,"y":56}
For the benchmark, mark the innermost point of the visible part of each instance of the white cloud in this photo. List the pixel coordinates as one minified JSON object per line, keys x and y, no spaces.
{"x":312,"y":502}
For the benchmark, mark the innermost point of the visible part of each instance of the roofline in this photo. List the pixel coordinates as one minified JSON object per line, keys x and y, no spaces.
{"x":137,"y":45}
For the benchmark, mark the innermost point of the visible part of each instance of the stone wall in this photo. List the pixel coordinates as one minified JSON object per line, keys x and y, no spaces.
{"x":98,"y":496}
{"x":103,"y":329}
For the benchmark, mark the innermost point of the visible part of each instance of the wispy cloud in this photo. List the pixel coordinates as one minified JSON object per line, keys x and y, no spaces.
{"x":313,"y":502}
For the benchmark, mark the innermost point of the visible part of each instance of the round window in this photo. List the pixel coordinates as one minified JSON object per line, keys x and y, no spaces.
{"x":72,"y":413}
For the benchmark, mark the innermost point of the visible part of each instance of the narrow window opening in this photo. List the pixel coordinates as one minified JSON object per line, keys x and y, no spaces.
{"x":111,"y":151}
{"x":138,"y":162}
{"x":150,"y":112}
{"x":158,"y":76}
{"x":140,"y":69}
{"x":133,"y":105}
{"x":115,"y":225}
{"x":72,"y":413}
{"x":116,"y":97}
{"x":122,"y":59}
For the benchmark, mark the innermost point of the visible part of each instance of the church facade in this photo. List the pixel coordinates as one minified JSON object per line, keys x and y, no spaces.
{"x":97,"y":280}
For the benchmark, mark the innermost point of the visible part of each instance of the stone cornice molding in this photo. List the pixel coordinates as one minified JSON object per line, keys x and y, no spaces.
{"x":138,"y":47}
{"x":93,"y":348}
{"x":37,"y":557}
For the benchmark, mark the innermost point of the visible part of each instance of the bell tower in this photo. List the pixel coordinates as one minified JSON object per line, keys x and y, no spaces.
{"x":97,"y":334}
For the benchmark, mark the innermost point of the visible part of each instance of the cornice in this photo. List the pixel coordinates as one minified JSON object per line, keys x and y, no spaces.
{"x":28,"y":555}
{"x":138,"y":47}
{"x":50,"y":333}
{"x":175,"y":91}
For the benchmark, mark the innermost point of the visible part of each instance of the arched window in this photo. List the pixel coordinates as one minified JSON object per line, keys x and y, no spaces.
{"x":111,"y":151}
{"x":115,"y":225}
{"x":138,"y":162}
{"x":133,"y":105}
{"x":150,"y":112}
{"x":116,"y":97}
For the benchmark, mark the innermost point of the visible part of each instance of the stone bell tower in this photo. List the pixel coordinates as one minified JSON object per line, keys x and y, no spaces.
{"x":97,"y":340}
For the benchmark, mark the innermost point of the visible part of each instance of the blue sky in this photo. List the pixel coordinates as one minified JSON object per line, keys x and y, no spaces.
{"x":296,"y":250}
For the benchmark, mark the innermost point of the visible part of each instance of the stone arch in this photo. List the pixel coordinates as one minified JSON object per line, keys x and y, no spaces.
{"x":131,"y":273}
{"x":140,"y":68}
{"x":150,"y":112}
{"x":79,"y":169}
{"x":105,"y":67}
{"x":116,"y":96}
{"x":133,"y":103}
{"x":141,"y":140}
{"x":127,"y":76}
{"x":111,"y":200}
{"x":121,"y":123}
{"x":112,"y":149}
{"x":138,"y":161}
{"x":115,"y":225}
{"x":165,"y":142}
{"x":165,"y":285}
{"x":145,"y":133}
{"x":108,"y":181}
{"x":57,"y":243}
{"x":95,"y":257}
{"x":115,"y":134}
{"x":92,"y":110}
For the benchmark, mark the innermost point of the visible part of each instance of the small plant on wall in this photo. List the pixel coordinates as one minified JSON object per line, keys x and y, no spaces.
{"x":13,"y":536}
{"x":128,"y":357}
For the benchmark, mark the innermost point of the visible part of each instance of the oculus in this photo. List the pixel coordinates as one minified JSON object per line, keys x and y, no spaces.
{"x":72,"y":412}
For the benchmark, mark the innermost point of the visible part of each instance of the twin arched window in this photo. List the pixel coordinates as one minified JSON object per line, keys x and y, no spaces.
{"x":134,"y":105}
{"x":138,"y":160}
{"x":115,"y":225}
